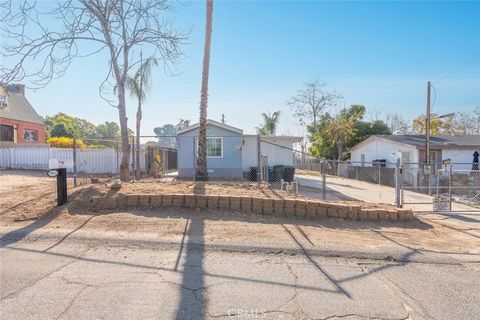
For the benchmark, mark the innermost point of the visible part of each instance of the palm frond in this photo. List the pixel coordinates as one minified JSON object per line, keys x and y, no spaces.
{"x":140,"y":84}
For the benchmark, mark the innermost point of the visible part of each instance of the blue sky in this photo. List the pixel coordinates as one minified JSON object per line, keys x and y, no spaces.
{"x":379,"y":54}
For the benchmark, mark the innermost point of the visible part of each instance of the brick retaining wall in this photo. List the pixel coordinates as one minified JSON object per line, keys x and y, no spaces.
{"x":260,"y":206}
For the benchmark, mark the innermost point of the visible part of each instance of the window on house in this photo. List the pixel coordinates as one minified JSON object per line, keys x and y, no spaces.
{"x":7,"y":133}
{"x":215,"y":147}
{"x":30,"y":135}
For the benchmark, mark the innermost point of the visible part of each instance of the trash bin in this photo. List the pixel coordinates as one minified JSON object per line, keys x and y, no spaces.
{"x":278,"y":172}
{"x":269,"y":174}
{"x":288,"y":173}
{"x":253,"y":173}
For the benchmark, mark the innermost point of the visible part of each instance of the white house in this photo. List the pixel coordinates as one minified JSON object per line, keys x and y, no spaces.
{"x":411,"y":149}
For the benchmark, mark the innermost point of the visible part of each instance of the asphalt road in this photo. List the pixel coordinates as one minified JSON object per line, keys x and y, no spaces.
{"x":73,"y":269}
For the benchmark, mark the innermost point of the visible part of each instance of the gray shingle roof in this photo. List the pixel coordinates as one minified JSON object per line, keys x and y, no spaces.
{"x":437,"y":141}
{"x":211,"y":122}
{"x":18,"y":108}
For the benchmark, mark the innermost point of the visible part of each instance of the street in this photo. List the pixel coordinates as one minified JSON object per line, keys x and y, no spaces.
{"x":184,"y":265}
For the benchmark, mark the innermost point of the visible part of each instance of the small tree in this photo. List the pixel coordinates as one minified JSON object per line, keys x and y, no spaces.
{"x":120,"y":27}
{"x":270,"y":123}
{"x":182,"y":124}
{"x":139,"y":85}
{"x":437,"y":126}
{"x":166,"y":135}
{"x":341,"y":128}
{"x":312,"y":101}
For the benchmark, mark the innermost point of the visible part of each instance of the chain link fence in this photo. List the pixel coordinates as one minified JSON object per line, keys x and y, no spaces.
{"x":446,"y":185}
{"x":248,"y":159}
{"x":423,"y":187}
{"x":103,"y":158}
{"x":165,"y":158}
{"x":372,"y":182}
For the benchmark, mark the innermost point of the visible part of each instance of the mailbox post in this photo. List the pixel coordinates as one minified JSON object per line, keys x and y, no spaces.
{"x":58,"y":168}
{"x":61,"y":187}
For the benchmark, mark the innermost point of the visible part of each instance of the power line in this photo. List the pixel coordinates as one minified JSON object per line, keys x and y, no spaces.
{"x":458,"y":68}
{"x":474,"y":101}
{"x":434,"y":95}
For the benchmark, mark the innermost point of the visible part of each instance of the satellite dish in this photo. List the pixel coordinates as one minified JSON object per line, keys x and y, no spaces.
{"x":238,"y":148}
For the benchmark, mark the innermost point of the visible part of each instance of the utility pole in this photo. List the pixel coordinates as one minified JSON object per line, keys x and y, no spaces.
{"x":427,"y":125}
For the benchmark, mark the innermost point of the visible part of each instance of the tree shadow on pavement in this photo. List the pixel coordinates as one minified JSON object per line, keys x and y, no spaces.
{"x":44,"y":219}
{"x":317,"y":266}
{"x":18,"y":234}
{"x":192,"y":292}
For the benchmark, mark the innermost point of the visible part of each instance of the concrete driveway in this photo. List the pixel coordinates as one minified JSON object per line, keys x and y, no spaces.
{"x":370,"y":192}
{"x":191,"y":265}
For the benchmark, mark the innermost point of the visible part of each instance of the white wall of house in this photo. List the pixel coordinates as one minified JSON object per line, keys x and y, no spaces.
{"x":377,"y":148}
{"x":249,"y":152}
{"x":461,"y":158}
{"x":277,"y":149}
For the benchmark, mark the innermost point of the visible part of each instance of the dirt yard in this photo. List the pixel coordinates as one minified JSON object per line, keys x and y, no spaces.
{"x":27,"y":195}
{"x":19,"y":187}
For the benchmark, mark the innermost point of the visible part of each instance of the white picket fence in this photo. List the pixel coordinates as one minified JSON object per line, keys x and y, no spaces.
{"x":102,"y":161}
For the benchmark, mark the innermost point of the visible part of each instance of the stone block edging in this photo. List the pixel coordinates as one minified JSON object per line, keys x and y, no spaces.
{"x":261,"y":206}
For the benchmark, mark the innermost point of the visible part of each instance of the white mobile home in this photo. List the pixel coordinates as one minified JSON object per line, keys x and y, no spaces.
{"x":459,"y":150}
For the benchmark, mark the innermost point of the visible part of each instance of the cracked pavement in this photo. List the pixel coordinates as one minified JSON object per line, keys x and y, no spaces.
{"x":194,"y":265}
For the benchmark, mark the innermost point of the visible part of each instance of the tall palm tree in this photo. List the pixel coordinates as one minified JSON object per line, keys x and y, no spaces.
{"x":201,"y":172}
{"x":139,"y":85}
{"x":270,"y":123}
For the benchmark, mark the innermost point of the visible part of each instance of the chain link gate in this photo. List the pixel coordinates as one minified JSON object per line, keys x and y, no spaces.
{"x":440,"y":187}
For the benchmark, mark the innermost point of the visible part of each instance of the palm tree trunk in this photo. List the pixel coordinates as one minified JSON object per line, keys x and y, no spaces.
{"x":340,"y":151}
{"x":137,"y":155}
{"x":201,"y":172}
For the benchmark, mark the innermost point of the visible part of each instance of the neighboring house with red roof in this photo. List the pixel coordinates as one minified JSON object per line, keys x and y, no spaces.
{"x":19,"y":122}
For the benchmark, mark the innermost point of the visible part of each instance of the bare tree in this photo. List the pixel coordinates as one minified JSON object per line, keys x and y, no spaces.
{"x":311,"y":101}
{"x":464,"y":123}
{"x":396,"y":123}
{"x":476,"y":113}
{"x":201,"y":172}
{"x":41,"y":39}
